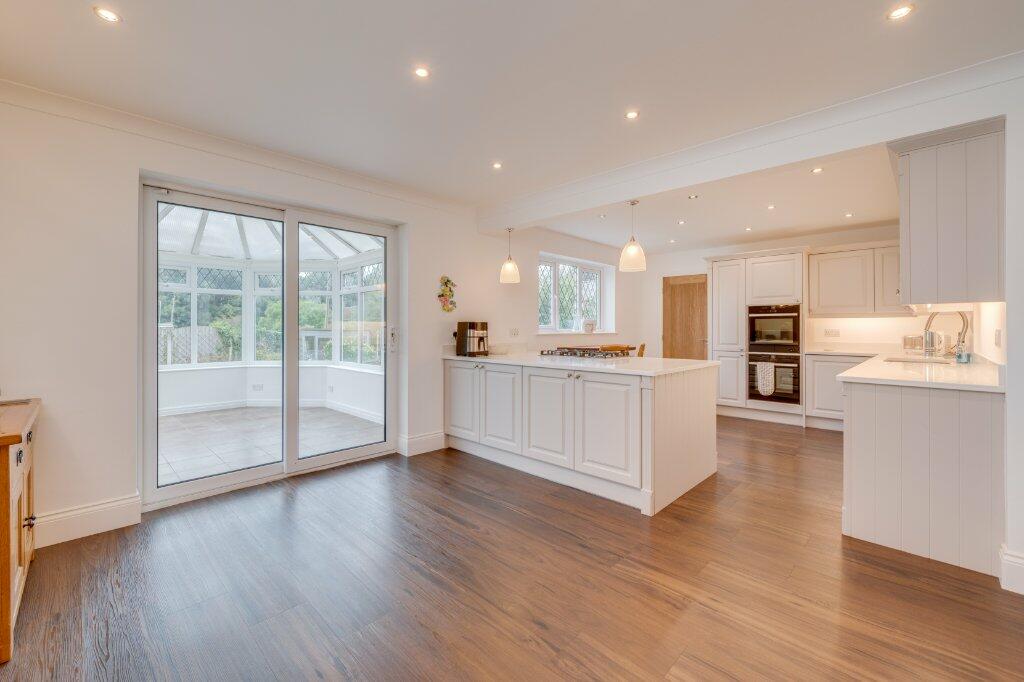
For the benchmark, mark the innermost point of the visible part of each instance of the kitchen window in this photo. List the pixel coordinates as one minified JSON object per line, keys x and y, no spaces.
{"x":569,"y":294}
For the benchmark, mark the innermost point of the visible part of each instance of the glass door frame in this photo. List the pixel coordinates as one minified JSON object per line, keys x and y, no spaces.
{"x":153,"y":496}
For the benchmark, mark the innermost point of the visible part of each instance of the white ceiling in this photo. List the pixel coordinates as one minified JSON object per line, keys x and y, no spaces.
{"x":859,"y":181}
{"x":540,"y":85}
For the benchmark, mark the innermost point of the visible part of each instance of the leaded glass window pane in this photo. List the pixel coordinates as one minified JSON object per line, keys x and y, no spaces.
{"x":219,"y":278}
{"x":219,"y":327}
{"x":590,"y":295}
{"x":269,"y":280}
{"x":568,"y":281}
{"x":319,"y":280}
{"x":544,"y":294}
{"x":172,"y":276}
{"x":349,"y":279}
{"x":373,"y":274}
{"x":174,"y":328}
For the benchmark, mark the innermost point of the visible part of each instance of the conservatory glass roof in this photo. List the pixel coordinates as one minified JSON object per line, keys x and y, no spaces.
{"x":200,"y":232}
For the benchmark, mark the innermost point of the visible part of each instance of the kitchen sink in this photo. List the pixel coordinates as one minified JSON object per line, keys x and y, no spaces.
{"x":920,"y":359}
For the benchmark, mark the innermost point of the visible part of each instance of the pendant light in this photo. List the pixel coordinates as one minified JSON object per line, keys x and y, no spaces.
{"x":509,"y":269}
{"x":632,"y":258}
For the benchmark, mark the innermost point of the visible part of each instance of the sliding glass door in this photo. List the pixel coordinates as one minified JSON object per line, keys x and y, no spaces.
{"x":266,"y":343}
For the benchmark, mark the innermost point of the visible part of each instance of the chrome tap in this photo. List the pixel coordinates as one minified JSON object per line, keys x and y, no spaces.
{"x":961,"y":338}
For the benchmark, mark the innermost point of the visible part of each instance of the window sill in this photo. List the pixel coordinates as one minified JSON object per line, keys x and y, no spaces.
{"x":553,"y":333}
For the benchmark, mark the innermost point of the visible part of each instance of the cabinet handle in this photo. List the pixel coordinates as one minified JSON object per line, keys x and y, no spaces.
{"x":21,"y":455}
{"x":28,"y":436}
{"x":569,"y":375}
{"x":29,"y":522}
{"x":578,"y":376}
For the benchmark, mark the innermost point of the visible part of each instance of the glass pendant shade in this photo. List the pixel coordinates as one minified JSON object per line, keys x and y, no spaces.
{"x":509,"y":272}
{"x":632,"y":258}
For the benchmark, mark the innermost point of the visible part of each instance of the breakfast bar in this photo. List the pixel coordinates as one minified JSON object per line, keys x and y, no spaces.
{"x":637,"y":430}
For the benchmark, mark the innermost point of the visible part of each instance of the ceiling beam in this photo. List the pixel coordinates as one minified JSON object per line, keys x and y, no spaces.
{"x":318,"y":242}
{"x":347,"y":243}
{"x":241,"y":237}
{"x":165,"y":211}
{"x":199,"y":232}
{"x":273,"y":231}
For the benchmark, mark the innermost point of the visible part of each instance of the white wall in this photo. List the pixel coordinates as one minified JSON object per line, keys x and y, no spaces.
{"x":70,"y":198}
{"x":989,"y":318}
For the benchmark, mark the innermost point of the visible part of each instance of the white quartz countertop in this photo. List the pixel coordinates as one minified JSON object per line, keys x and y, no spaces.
{"x":867,"y":350}
{"x":978,"y":375}
{"x":646,"y":367}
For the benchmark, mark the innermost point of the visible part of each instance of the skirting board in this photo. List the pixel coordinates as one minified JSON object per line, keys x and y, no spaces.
{"x":761,"y":415}
{"x":417,"y":445}
{"x":823,"y":423}
{"x":78,"y":522}
{"x":631,"y":497}
{"x":1011,"y":576}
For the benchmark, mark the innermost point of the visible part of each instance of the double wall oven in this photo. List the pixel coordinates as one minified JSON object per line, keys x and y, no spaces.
{"x":773,"y":344}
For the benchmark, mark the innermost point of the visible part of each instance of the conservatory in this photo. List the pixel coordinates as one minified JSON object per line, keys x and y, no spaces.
{"x":220,"y":340}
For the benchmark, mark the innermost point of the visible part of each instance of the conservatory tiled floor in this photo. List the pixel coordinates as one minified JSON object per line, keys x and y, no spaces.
{"x":209,"y":443}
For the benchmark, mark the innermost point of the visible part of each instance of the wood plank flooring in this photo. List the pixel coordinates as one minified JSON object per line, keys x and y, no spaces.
{"x":445,"y":566}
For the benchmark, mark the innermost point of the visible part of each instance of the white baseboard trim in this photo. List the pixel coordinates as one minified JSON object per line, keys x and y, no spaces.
{"x":203,"y":407}
{"x":374,"y":417}
{"x":761,"y":415}
{"x":823,"y":423}
{"x":417,"y":445}
{"x":1011,"y":575}
{"x":88,"y":519}
{"x":623,"y":494}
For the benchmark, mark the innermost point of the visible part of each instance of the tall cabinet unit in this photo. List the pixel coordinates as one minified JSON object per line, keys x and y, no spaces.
{"x":951,"y":186}
{"x":728,"y":329}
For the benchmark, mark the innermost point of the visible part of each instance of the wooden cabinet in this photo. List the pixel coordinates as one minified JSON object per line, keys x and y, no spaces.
{"x":855,"y":282}
{"x":17,"y":532}
{"x":952,"y":215}
{"x":732,"y":378}
{"x":824,"y":395}
{"x":607,"y":408}
{"x":728,"y":305}
{"x":775,"y":280}
{"x":549,"y":415}
{"x":841,"y":282}
{"x":483,"y":403}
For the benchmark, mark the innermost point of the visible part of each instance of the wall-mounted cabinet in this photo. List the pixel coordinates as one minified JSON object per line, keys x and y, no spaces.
{"x":858,"y":282}
{"x":775,"y":280}
{"x":952,"y":202}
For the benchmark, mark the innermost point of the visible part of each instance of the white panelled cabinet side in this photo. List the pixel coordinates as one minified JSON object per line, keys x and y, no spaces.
{"x":952,"y":213}
{"x":640,"y":431}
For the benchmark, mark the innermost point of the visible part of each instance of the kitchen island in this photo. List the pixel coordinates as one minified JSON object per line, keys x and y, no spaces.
{"x":923,"y":458}
{"x":640,"y":431}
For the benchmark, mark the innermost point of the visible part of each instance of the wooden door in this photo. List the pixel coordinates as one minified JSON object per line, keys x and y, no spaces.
{"x":684,"y":320}
{"x":548,"y":415}
{"x":501,"y":415}
{"x":607,"y":420}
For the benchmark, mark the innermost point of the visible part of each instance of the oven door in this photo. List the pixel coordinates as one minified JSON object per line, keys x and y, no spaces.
{"x":774,"y":329}
{"x":786,"y":372}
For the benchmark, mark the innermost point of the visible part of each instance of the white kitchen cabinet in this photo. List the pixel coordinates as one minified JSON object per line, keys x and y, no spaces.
{"x":607,"y":408}
{"x":501,"y":406}
{"x":887,"y":281}
{"x":549,"y":416}
{"x":462,"y":399}
{"x":729,"y":309}
{"x":952,"y":215}
{"x":823,"y":394}
{"x":775,"y":280}
{"x":841,"y":282}
{"x":732,"y":378}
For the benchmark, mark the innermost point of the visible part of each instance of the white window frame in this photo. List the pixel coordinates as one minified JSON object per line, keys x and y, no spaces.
{"x":360,"y":290}
{"x":556,"y":264}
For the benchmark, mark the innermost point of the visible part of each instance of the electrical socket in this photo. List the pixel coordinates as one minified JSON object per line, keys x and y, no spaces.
{"x":831,"y":332}
{"x":257,"y":388}
{"x":514,"y":331}
{"x":330,"y":388}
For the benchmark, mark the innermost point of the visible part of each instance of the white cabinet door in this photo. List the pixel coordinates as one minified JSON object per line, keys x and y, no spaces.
{"x":608,"y":427}
{"x":501,"y":407}
{"x":775,"y":280}
{"x":887,"y":281}
{"x":824,"y":394}
{"x":841,"y":282}
{"x":728,"y":301}
{"x":548,"y":415}
{"x":462,"y":399}
{"x":732,"y":378}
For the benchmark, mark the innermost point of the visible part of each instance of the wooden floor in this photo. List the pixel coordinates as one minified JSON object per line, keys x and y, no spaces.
{"x":446,"y":566}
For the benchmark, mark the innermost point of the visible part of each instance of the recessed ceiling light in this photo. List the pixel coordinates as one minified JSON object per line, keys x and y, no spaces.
{"x":421,"y":72}
{"x":671,"y":241}
{"x":602,"y":216}
{"x":496,"y":165}
{"x":632,"y":115}
{"x":817,"y":170}
{"x":107,"y":14}
{"x":692,"y":196}
{"x":771,"y":207}
{"x":748,"y":229}
{"x":900,"y":12}
{"x":849,"y":215}
{"x":682,"y":222}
